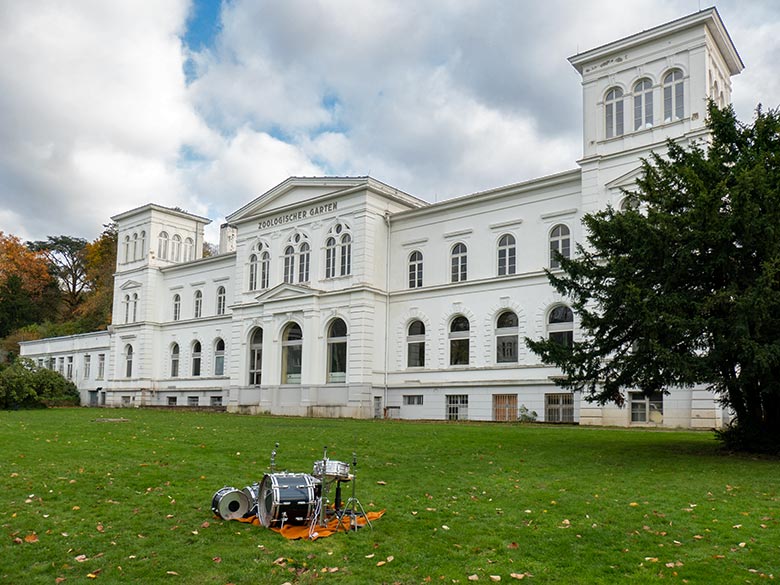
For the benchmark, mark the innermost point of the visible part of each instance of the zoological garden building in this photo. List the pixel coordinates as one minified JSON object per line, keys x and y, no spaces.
{"x":343,"y":296}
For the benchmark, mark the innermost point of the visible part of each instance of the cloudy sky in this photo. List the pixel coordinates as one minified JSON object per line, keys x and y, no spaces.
{"x":105,"y":106}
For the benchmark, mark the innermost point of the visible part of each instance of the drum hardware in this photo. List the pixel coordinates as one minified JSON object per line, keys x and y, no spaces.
{"x":273,"y":458}
{"x":353,"y":509}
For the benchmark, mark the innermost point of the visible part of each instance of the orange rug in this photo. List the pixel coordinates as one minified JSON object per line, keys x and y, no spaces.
{"x":294,"y":532}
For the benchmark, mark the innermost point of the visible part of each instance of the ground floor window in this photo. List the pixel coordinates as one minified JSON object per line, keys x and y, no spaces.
{"x":256,"y":358}
{"x":559,"y":408}
{"x":216,"y":401}
{"x":337,"y":352}
{"x":413,"y":400}
{"x":292,"y":354}
{"x":172,"y":400}
{"x":457,"y":407}
{"x":126,"y":400}
{"x":192,"y":401}
{"x":504,"y":407}
{"x":647,"y":408}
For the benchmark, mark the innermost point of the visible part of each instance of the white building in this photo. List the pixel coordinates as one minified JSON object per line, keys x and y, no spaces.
{"x":343,"y":296}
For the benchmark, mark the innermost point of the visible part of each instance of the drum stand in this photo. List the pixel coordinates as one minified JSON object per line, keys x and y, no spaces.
{"x":353,"y":509}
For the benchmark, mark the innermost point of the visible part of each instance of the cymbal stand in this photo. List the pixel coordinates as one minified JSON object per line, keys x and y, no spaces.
{"x":353,"y":508}
{"x":273,"y":458}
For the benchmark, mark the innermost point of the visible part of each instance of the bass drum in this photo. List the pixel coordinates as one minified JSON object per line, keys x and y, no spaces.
{"x":287,"y":498}
{"x":230,"y":503}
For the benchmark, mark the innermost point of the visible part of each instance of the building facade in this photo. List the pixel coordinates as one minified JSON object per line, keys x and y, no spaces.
{"x":343,"y":296}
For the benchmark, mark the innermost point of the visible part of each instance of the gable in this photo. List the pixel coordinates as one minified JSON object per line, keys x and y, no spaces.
{"x":287,"y":291}
{"x":625,"y":181}
{"x":295,"y":192}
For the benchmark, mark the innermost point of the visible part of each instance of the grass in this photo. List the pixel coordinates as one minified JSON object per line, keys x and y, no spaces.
{"x":550,"y":504}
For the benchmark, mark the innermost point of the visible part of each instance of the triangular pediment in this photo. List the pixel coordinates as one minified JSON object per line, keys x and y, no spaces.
{"x":286,"y":291}
{"x":627,"y":180}
{"x":295,"y":192}
{"x":130,"y":284}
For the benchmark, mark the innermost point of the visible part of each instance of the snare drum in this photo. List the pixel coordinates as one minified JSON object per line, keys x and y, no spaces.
{"x":230,"y":503}
{"x":287,"y":498}
{"x":331,"y":469}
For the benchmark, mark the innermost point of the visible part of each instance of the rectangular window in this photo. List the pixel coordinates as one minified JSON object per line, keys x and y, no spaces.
{"x":413,"y":400}
{"x":219,"y":364}
{"x":457,"y":407}
{"x":61,"y":366}
{"x":506,"y":349}
{"x":647,"y":408}
{"x":459,"y":352}
{"x":216,"y":401}
{"x":192,"y":401}
{"x":101,"y":366}
{"x":69,"y":369}
{"x":126,"y":400}
{"x":504,"y":407}
{"x":87,"y":366}
{"x":559,"y":408}
{"x":40,"y":362}
{"x":172,"y":400}
{"x":416,"y":354}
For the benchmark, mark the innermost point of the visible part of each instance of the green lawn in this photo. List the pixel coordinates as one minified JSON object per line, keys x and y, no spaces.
{"x":131,"y":502}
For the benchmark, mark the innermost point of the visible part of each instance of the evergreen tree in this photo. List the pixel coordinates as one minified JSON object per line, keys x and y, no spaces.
{"x":683,"y":288}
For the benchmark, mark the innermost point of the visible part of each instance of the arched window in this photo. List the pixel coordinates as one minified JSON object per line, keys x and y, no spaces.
{"x":188,"y":250}
{"x":196,"y":355}
{"x":219,"y":357}
{"x":629,"y":203}
{"x":175,"y":360}
{"x":346,"y":255}
{"x":415,"y":269}
{"x":674,"y":96}
{"x":289,"y":263}
{"x":330,"y":257}
{"x":127,"y":249}
{"x":176,"y":307}
{"x":135,"y":247}
{"x":127,"y":308}
{"x":292,"y":354}
{"x":459,"y":341}
{"x":162,"y":246}
{"x":128,"y":361}
{"x":253,"y":265}
{"x":415,"y":345}
{"x":459,"y":263}
{"x":221,"y":300}
{"x":198,"y":305}
{"x":643,"y":104}
{"x":265,"y":265}
{"x":613,"y":112}
{"x":337,"y":352}
{"x":256,"y":357}
{"x":560,"y":325}
{"x":134,"y":302}
{"x":507,"y":255}
{"x":143,"y":244}
{"x":304,"y":258}
{"x":560,"y":243}
{"x":506,"y":338}
{"x":176,"y":248}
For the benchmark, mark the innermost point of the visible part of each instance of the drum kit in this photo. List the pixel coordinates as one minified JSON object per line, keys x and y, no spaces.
{"x":296,"y":498}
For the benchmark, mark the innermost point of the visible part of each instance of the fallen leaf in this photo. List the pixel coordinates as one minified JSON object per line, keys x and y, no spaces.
{"x":380,"y":563}
{"x":512,"y":545}
{"x":18,"y":540}
{"x":32,"y":537}
{"x":633,"y":504}
{"x":171,"y":573}
{"x":381,"y":483}
{"x":217,"y":559}
{"x":371,"y":556}
{"x":205,"y":524}
{"x":81,"y":558}
{"x":445,"y":527}
{"x":100,"y":528}
{"x":59,"y":580}
{"x":390,"y":559}
{"x":495,"y":577}
{"x":473,"y":578}
{"x":517,"y":575}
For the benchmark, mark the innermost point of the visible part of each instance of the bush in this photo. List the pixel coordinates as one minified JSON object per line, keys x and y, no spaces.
{"x":24,"y":385}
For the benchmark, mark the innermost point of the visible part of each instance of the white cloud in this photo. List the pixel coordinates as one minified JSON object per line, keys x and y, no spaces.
{"x":439,"y":98}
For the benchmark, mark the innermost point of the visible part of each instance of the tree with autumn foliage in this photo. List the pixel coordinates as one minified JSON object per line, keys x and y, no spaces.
{"x":66,"y":262}
{"x":27,"y":289}
{"x":94,"y":312}
{"x":683,"y":288}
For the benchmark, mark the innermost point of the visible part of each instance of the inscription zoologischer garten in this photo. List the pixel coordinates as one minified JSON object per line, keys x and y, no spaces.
{"x":298,"y":215}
